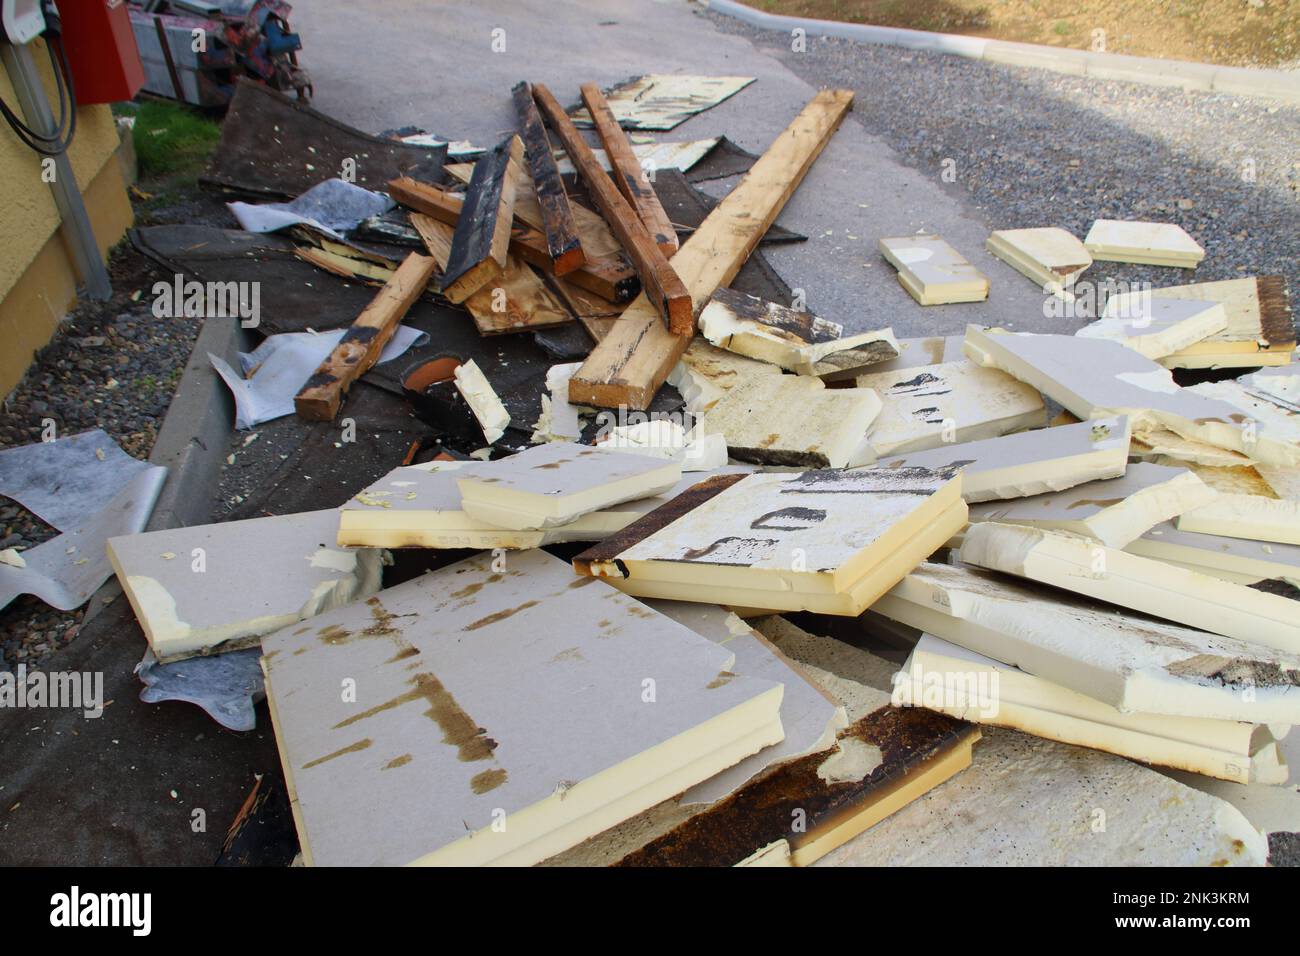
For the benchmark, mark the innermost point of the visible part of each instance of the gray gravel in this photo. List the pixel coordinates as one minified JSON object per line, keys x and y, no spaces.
{"x":1033,"y":148}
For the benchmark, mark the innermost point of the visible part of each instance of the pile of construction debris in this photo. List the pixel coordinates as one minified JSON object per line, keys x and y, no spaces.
{"x":588,"y":663}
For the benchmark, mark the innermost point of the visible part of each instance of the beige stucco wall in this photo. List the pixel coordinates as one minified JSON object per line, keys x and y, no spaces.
{"x":30,"y":250}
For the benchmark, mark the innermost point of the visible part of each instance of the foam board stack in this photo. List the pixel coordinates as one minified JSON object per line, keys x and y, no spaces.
{"x":1060,"y":666}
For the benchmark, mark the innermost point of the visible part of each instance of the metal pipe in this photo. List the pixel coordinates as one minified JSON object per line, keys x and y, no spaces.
{"x":72,"y":210}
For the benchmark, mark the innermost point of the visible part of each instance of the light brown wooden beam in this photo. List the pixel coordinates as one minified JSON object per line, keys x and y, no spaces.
{"x":632,"y":362}
{"x":320,"y":397}
{"x":629,"y":177}
{"x":608,"y":276}
{"x":659,"y":282}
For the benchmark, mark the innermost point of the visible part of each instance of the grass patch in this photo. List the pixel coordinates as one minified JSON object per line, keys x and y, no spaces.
{"x":172,"y":139}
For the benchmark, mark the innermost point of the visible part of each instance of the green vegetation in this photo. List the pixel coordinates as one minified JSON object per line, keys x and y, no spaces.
{"x":171,"y":139}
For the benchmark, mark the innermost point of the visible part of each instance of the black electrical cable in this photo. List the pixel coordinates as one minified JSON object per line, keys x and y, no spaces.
{"x":57,"y":142}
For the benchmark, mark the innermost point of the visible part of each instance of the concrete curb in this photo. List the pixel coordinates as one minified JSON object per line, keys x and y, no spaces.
{"x":1206,"y":77}
{"x":196,"y":431}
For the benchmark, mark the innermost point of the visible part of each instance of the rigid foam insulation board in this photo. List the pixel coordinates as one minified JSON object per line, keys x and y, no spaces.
{"x":1270,"y":423}
{"x":1160,"y":327}
{"x":1271,"y":809}
{"x":1284,"y":482}
{"x":1157,"y":444}
{"x":1145,"y":243}
{"x":930,"y":350}
{"x":789,"y":338}
{"x":1259,"y":320}
{"x":1032,"y":462}
{"x":1260,"y":329}
{"x":1114,"y":511}
{"x":559,"y":420}
{"x":794,"y":420}
{"x":1026,"y":801}
{"x":933,"y":272}
{"x":1253,"y":517}
{"x":212,"y":588}
{"x":955,"y":402}
{"x":1279,"y":384}
{"x":517,"y":698}
{"x":1092,"y":378}
{"x":1232,"y":559}
{"x":557,"y":483}
{"x":1130,"y":663}
{"x":1051,"y":257}
{"x":418,"y":506}
{"x":958,"y":682}
{"x":827,"y":541}
{"x":883,"y":762}
{"x":1140,"y":584}
{"x":875,"y":766}
{"x":482,"y":400}
{"x":705,"y":373}
{"x":662,"y":438}
{"x":810,"y":717}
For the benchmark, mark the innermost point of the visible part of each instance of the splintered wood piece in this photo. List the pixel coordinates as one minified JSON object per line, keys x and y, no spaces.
{"x":629,"y":365}
{"x":629,"y":177}
{"x":660,"y":282}
{"x":598,"y":242}
{"x":562,"y":241}
{"x":482,"y":238}
{"x":517,"y":302}
{"x":360,"y":346}
{"x":608,"y":277}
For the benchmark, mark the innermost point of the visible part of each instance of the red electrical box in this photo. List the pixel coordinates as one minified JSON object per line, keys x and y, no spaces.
{"x":101,"y":50}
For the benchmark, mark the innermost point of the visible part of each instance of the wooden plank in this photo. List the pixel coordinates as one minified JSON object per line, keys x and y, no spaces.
{"x":360,"y":346}
{"x":597,"y":241}
{"x":517,"y":302}
{"x":627,"y":368}
{"x":659,"y":281}
{"x":629,"y":177}
{"x":561,"y":235}
{"x":609,"y":277}
{"x":596,"y":314}
{"x":482,"y":238}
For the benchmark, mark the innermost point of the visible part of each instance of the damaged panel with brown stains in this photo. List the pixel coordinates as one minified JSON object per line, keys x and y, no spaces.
{"x":593,"y":707}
